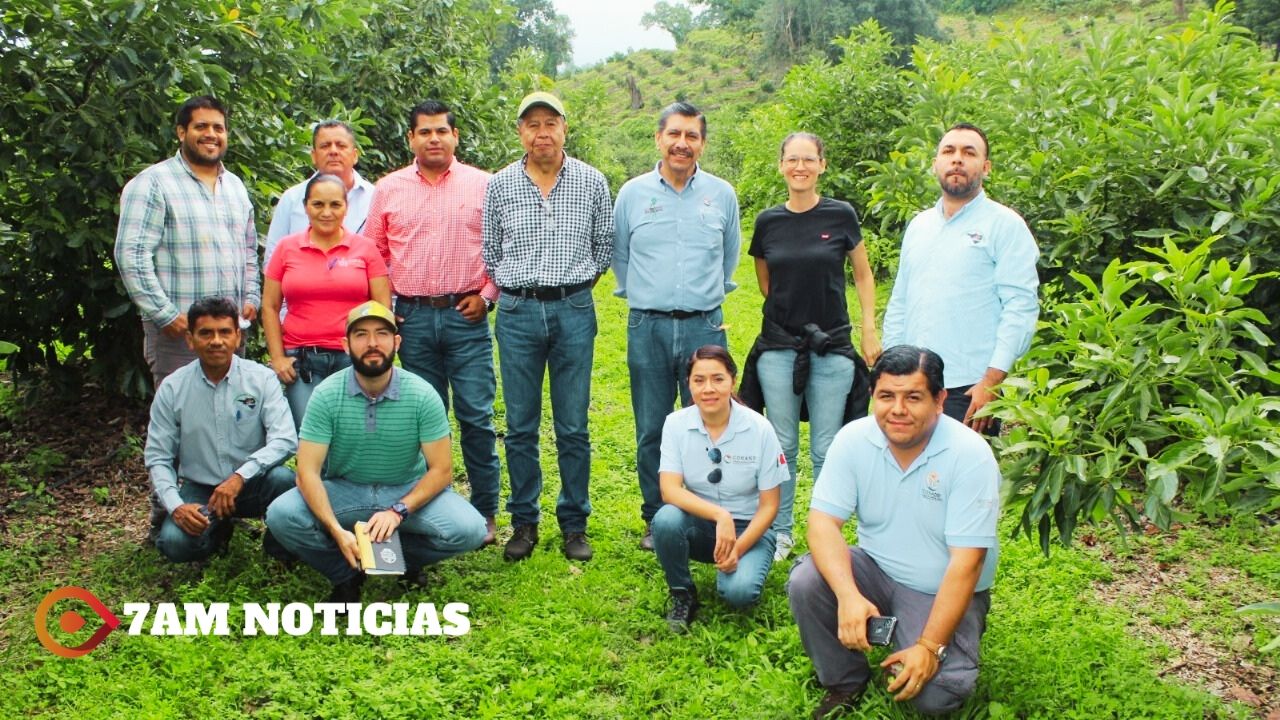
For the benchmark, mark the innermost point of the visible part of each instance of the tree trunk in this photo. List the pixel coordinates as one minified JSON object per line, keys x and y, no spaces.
{"x":636,"y":101}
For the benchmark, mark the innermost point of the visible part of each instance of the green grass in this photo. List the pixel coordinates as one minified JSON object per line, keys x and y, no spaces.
{"x":560,"y":640}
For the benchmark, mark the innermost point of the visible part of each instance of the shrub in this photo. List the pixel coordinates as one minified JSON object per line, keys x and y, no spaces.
{"x":1134,"y":402}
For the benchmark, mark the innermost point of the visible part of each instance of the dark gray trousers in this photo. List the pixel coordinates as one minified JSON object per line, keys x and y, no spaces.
{"x":839,"y":668}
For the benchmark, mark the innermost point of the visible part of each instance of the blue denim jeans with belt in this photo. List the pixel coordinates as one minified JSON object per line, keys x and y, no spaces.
{"x":556,"y":338}
{"x":658,"y":351}
{"x":311,"y":365}
{"x":452,"y":353}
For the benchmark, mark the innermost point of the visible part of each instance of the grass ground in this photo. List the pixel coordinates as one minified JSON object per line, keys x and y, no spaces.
{"x":553,"y":639}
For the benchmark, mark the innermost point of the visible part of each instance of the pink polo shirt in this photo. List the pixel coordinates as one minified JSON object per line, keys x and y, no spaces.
{"x":320,"y":287}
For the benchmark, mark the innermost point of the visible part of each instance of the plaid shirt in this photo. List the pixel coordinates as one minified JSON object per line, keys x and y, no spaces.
{"x":563,"y":239}
{"x":178,"y":242}
{"x":429,"y":234}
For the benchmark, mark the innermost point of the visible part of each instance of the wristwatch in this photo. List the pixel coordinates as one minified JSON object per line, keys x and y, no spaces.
{"x":939,"y":650}
{"x":488,"y":305}
{"x":400,"y":509}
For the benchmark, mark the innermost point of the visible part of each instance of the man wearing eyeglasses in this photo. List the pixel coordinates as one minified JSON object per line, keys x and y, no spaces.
{"x":334,"y":151}
{"x":926,"y":493}
{"x":676,"y":244}
{"x":966,"y":283}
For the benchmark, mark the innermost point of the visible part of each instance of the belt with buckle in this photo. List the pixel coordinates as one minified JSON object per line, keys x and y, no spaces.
{"x":677,"y":314}
{"x":438,"y":301}
{"x":557,"y":292}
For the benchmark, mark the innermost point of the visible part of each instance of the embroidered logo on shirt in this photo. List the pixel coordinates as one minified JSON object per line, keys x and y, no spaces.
{"x":654,"y":207}
{"x":248,"y":401}
{"x":825,"y":236}
{"x":930,"y":490}
{"x":740,"y":459}
{"x":975,"y":238}
{"x":706,"y":201}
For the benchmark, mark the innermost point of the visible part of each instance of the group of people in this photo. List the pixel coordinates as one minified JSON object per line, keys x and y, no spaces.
{"x":357,"y":274}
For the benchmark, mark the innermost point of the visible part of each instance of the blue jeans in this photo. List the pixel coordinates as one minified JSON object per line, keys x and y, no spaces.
{"x":557,"y":336}
{"x":440,"y":346}
{"x":311,"y":367}
{"x":442,"y":528}
{"x":679,"y":536}
{"x":658,"y":351}
{"x":175,"y":544}
{"x":830,"y":380}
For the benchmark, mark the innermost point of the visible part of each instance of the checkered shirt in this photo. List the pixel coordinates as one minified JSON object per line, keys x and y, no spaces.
{"x":563,"y":239}
{"x":178,"y":242}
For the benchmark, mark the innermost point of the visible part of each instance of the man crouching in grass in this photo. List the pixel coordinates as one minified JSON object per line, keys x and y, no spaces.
{"x":386,"y":437}
{"x":926,"y":491}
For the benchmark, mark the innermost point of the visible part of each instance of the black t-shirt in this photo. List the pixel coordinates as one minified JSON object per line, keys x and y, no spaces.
{"x":805,"y":253}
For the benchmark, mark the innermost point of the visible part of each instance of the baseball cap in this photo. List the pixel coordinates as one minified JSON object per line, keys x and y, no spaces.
{"x":545,"y":99}
{"x":371,"y":309}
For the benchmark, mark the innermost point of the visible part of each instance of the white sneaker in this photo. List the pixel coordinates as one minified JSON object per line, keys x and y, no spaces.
{"x":782,"y":548}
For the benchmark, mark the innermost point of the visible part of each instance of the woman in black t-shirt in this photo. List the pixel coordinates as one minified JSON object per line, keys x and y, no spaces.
{"x":800,"y":249}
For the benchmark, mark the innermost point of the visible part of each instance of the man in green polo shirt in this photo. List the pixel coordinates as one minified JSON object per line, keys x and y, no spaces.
{"x":385,"y":436}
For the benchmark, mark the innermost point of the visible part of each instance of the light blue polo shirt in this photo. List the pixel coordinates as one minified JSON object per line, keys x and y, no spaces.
{"x":949,"y":497}
{"x":676,"y":250}
{"x":751,"y":458}
{"x":966,"y":289}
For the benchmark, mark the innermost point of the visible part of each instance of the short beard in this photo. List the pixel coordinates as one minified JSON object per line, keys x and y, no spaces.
{"x":961,"y":192}
{"x":373,"y":371}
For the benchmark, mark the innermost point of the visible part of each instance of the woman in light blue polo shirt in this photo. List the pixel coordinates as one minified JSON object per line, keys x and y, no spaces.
{"x":720,"y":474}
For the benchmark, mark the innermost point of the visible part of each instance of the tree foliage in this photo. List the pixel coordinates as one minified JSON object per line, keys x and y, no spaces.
{"x":676,"y":18}
{"x":795,"y":28}
{"x":535,"y":24}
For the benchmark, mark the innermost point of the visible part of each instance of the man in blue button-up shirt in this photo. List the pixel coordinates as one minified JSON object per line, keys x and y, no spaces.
{"x":676,"y":245}
{"x":966,"y":284}
{"x":220,"y":431}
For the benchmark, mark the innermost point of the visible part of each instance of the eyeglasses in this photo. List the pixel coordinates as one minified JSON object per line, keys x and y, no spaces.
{"x":798,"y":160}
{"x":715,"y":476}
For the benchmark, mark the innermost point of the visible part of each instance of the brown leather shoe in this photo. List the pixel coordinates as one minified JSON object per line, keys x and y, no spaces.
{"x":522,"y":542}
{"x":490,"y":532}
{"x":576,"y":546}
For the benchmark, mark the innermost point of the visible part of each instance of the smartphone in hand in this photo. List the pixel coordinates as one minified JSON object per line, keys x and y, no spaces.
{"x":880,"y":629}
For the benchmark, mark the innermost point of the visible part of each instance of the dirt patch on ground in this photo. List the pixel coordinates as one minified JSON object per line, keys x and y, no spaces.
{"x":1141,"y":582}
{"x":72,"y":467}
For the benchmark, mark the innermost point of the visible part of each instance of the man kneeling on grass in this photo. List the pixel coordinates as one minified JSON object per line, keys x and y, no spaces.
{"x":386,"y":437}
{"x":926,"y":491}
{"x":219,"y":431}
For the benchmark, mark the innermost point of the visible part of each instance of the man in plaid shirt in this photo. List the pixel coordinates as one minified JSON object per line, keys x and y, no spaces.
{"x":426,"y":220}
{"x":548,"y":236}
{"x":186,"y":232}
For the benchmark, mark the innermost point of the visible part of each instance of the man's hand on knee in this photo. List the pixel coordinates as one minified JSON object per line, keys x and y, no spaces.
{"x":190,"y":519}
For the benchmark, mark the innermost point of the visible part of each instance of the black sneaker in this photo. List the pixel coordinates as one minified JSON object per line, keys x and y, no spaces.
{"x":684,"y":606}
{"x":523,"y":540}
{"x":646,"y":542}
{"x":347,"y":592}
{"x":837,"y":702}
{"x":576,"y":546}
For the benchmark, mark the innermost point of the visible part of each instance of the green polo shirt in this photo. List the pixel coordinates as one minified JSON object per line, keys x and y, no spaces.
{"x":375,"y":441}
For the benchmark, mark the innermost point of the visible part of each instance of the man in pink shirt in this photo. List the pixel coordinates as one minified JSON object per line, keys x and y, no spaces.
{"x":426,"y":220}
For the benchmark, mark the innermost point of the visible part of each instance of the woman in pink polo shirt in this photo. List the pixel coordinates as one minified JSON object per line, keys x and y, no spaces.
{"x":321,"y":272}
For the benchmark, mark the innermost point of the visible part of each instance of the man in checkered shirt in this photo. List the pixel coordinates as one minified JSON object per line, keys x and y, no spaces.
{"x":426,"y":220}
{"x":186,"y":232}
{"x":548,"y":236}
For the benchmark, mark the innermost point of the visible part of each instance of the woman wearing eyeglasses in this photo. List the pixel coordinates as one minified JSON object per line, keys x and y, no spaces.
{"x":321,"y":272}
{"x":720,"y":473}
{"x":803,"y":362}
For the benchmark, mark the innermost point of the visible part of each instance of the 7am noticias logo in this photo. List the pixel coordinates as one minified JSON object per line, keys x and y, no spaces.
{"x":188,"y":619}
